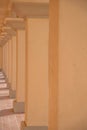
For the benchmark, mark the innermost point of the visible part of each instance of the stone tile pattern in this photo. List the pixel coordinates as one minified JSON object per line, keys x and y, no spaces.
{"x":8,"y":119}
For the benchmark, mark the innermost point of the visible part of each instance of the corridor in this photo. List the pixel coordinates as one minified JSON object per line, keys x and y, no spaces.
{"x":43,"y":57}
{"x":8,"y":119}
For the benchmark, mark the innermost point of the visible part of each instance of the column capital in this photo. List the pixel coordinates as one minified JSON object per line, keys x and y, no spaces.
{"x":15,"y":23}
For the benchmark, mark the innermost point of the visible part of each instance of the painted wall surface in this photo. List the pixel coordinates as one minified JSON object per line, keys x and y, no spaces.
{"x":53,"y":64}
{"x":1,"y":57}
{"x":37,"y":72}
{"x":14,"y":63}
{"x":72,"y":93}
{"x":10,"y":61}
{"x":34,"y":1}
{"x":20,"y":94}
{"x":5,"y":62}
{"x":7,"y":59}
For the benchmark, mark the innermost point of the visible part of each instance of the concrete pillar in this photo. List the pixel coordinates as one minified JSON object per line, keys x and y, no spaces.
{"x":12,"y":91}
{"x":18,"y":104}
{"x":53,"y":65}
{"x":4,"y":58}
{"x":6,"y":50}
{"x":10,"y":62}
{"x":1,"y":58}
{"x":36,"y":112}
{"x":5,"y":61}
{"x":68,"y":65}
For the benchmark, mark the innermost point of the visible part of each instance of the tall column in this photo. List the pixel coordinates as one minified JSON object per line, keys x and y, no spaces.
{"x":36,"y":112}
{"x":10,"y":62}
{"x":68,"y":66}
{"x":7,"y":60}
{"x":1,"y":58}
{"x":12,"y":91}
{"x":20,"y":91}
{"x":53,"y":65}
{"x":5,"y":55}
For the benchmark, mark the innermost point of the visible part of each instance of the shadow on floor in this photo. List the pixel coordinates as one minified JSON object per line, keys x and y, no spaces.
{"x":4,"y":89}
{"x":4,"y":97}
{"x":7,"y":112}
{"x":2,"y":78}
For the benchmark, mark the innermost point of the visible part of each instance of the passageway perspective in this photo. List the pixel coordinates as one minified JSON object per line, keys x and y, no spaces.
{"x":8,"y":119}
{"x":43,"y":65}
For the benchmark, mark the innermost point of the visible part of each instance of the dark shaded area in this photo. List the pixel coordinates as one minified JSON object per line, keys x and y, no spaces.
{"x":7,"y":112}
{"x":4,"y":97}
{"x":4,"y":89}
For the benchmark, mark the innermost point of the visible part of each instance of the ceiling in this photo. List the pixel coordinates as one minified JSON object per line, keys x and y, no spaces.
{"x":10,"y":10}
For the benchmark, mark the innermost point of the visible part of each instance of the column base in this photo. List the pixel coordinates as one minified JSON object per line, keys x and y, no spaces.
{"x":18,"y":107}
{"x":24,"y":127}
{"x":12,"y":93}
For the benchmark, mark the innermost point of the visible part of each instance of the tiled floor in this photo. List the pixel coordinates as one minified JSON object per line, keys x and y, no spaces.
{"x":8,"y":119}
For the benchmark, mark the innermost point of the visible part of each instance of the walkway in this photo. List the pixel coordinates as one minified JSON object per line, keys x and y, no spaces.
{"x":8,"y":119}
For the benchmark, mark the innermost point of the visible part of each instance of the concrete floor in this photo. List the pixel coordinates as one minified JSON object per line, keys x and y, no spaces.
{"x":8,"y":119}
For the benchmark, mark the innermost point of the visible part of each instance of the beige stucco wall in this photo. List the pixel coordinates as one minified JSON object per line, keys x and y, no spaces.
{"x":14,"y":59}
{"x":53,"y":64}
{"x":72,"y":93}
{"x":34,"y":1}
{"x":4,"y":58}
{"x":37,"y":72}
{"x":1,"y":57}
{"x":20,"y":94}
{"x":10,"y":61}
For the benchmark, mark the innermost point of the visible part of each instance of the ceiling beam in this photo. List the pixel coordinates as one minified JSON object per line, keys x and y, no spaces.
{"x":31,"y":9}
